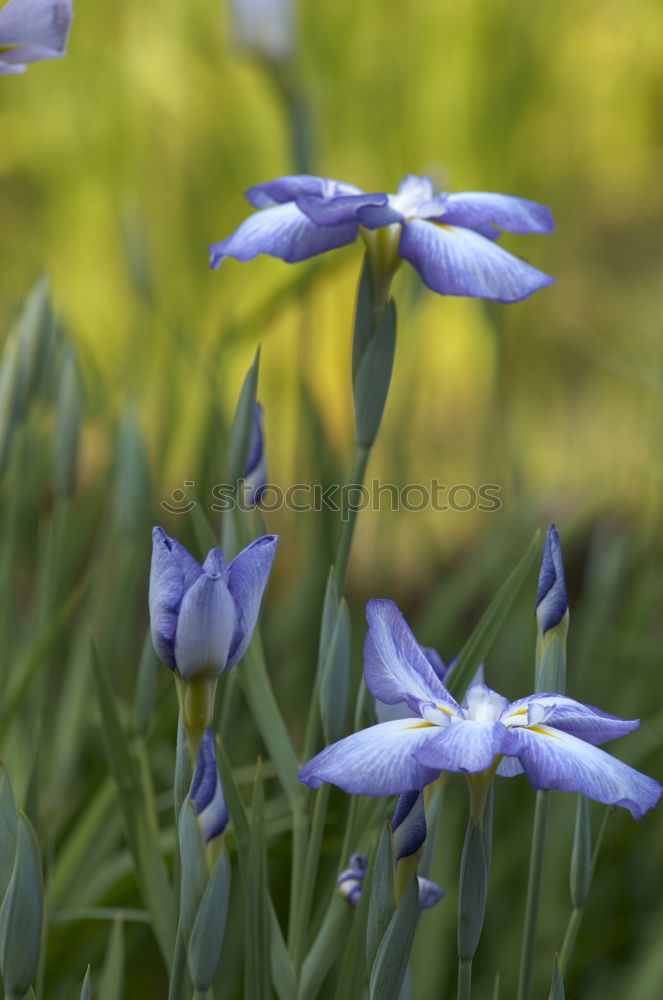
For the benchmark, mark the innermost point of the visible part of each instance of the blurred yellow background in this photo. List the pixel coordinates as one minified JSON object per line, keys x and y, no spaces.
{"x":121,"y":163}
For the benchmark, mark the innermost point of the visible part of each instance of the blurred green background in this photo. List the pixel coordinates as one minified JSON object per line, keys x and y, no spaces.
{"x":118,"y":166}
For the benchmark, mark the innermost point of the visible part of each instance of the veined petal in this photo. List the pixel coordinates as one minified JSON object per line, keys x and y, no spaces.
{"x":284,"y":232}
{"x":172,"y":572}
{"x":339,"y":209}
{"x":295,"y":186}
{"x":480,"y":208}
{"x":247,"y":579}
{"x":395,"y":668}
{"x":37,"y":28}
{"x":455,"y":261}
{"x":584,"y":721}
{"x":376,"y":761}
{"x":509,"y":767}
{"x":466,"y":746}
{"x":556,"y":760}
{"x":205,"y":627}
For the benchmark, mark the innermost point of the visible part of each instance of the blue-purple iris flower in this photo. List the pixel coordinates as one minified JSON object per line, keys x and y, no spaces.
{"x":255,"y":474}
{"x":552,"y":739}
{"x":202,"y":617}
{"x":448,"y":238}
{"x":31,"y":30}
{"x":551,"y":600}
{"x":206,"y":792}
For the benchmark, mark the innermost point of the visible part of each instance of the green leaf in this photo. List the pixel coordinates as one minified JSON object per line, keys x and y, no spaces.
{"x":282,"y":972}
{"x":209,"y":927}
{"x":472,"y":891}
{"x":486,"y":630}
{"x":66,"y":433}
{"x":8,"y":831}
{"x":334,"y":677}
{"x":21,"y":914}
{"x":240,"y":432}
{"x":382,"y":901}
{"x":145,"y":689}
{"x":581,"y":855}
{"x":86,"y":992}
{"x":111,"y":984}
{"x":194,"y":874}
{"x":393,"y":954}
{"x":256,"y":913}
{"x":143,"y":842}
{"x":371,"y":378}
{"x":557,"y":982}
{"x":258,"y":692}
{"x":551,"y":672}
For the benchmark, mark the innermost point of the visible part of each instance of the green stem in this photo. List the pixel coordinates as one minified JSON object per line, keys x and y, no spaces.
{"x":533,"y":894}
{"x":357,"y":476}
{"x":178,"y":974}
{"x":199,"y":994}
{"x":578,"y":913}
{"x":303,"y":910}
{"x":464,"y":978}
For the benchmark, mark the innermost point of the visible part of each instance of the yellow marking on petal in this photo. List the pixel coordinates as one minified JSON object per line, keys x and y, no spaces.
{"x":446,"y":711}
{"x":422,"y":725}
{"x":542,"y":732}
{"x":521,"y":711}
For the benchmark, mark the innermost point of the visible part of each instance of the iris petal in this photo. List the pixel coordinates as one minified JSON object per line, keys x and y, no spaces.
{"x":295,"y":186}
{"x":395,"y":668}
{"x":584,"y":721}
{"x":466,"y":746}
{"x":172,"y":572}
{"x":455,"y":261}
{"x":339,"y":209}
{"x":376,"y":761}
{"x":247,"y":579}
{"x":556,"y":760}
{"x":284,"y":232}
{"x":205,"y":627}
{"x":513,"y":215}
{"x":36,"y":29}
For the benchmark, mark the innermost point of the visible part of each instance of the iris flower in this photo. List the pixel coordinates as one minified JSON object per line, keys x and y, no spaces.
{"x":553,"y":739}
{"x":206,"y":792}
{"x":202,"y":617}
{"x":31,"y":30}
{"x":448,"y":238}
{"x":385,"y":713}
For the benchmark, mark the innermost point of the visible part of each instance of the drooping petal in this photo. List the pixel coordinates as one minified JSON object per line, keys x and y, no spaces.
{"x":173,"y":570}
{"x":551,"y":600}
{"x":35,"y":29}
{"x":395,"y":668}
{"x":295,"y":186}
{"x":377,"y":216}
{"x":480,"y":208}
{"x":339,"y":209}
{"x":556,"y":760}
{"x":376,"y":761}
{"x":466,"y":746}
{"x":455,"y":261}
{"x":205,"y":627}
{"x":284,"y":232}
{"x":206,"y":791}
{"x":247,"y":579}
{"x":408,"y":825}
{"x":584,"y":721}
